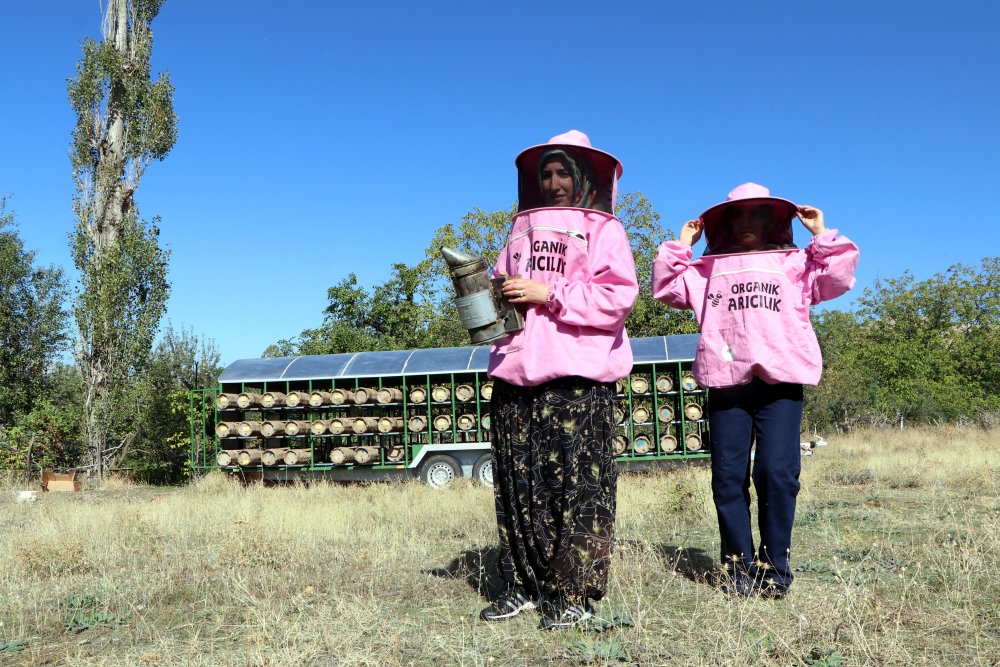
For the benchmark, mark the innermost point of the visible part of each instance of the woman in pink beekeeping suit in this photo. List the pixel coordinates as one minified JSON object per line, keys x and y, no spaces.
{"x":751,"y":292}
{"x":552,"y":409}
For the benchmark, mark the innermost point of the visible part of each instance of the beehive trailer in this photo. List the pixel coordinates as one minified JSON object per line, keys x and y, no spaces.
{"x":416,"y":413}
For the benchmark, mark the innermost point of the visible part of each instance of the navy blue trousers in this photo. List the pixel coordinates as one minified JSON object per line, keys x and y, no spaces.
{"x":771,"y":416}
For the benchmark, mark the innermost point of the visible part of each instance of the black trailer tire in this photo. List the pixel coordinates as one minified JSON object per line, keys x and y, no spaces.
{"x":439,"y":471}
{"x":482,"y":471}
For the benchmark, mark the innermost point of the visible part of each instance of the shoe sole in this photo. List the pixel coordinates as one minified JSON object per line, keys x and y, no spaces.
{"x":563,"y":626}
{"x":527,"y":606}
{"x":754,"y":592}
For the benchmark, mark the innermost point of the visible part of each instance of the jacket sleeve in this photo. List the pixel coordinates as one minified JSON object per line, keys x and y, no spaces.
{"x":830,"y":264}
{"x":500,"y":267}
{"x":671,"y":275}
{"x":607,"y":298}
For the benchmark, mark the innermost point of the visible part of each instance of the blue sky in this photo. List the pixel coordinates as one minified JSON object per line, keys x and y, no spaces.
{"x":325,"y":138}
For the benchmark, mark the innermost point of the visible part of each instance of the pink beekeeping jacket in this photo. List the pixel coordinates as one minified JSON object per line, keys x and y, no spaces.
{"x":585,"y":258}
{"x":753,"y":308}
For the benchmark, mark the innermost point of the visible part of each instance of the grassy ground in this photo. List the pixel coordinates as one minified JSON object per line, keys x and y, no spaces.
{"x":896,"y":550}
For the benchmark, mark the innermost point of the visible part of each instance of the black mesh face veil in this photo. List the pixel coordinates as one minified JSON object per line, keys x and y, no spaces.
{"x":581,"y":171}
{"x":775,"y":219}
{"x":594,"y":178}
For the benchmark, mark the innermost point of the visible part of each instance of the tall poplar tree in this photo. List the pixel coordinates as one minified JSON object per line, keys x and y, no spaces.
{"x":125,"y":121}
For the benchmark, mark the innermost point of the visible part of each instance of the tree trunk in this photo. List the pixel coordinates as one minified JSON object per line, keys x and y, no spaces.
{"x":389,"y":395}
{"x":270,"y":457}
{"x":270,"y":429}
{"x":320,"y":398}
{"x":272,"y":399}
{"x":364,"y":424}
{"x":248,"y":457}
{"x":466,"y":422}
{"x":297,"y":456}
{"x":341,"y":455}
{"x":390,"y":424}
{"x":366,"y":455}
{"x":364,"y":395}
{"x":226,"y":457}
{"x":225,"y":401}
{"x":297,"y":399}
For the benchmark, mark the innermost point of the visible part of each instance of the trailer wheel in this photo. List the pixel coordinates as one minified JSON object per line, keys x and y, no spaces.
{"x":439,"y":471}
{"x":482,"y":471}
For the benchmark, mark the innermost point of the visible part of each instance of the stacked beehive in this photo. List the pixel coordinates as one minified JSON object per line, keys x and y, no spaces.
{"x":367,"y":424}
{"x":659,"y":413}
{"x":378,"y":421}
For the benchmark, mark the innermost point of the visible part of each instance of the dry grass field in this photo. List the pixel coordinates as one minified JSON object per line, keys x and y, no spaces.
{"x":896,"y":552}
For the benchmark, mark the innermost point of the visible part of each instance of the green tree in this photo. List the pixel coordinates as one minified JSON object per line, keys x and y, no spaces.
{"x":125,"y":121}
{"x":181,"y":361}
{"x":908,"y":344}
{"x":649,"y":317}
{"x":47,"y":433}
{"x":976,"y":328}
{"x":33,"y":322}
{"x":846,"y":397}
{"x":397,"y":314}
{"x":914,"y":351}
{"x":415,"y":307}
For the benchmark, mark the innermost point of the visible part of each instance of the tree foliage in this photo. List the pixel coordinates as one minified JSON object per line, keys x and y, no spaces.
{"x":914,"y":351}
{"x":181,"y":361}
{"x":649,"y":317}
{"x":125,"y":121}
{"x":415,"y":307}
{"x":33,"y":322}
{"x":47,"y":433}
{"x":394,"y":315}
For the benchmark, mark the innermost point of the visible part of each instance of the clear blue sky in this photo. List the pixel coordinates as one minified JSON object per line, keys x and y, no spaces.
{"x":320,"y":138}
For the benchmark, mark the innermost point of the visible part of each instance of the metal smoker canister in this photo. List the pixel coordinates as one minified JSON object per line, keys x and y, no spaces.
{"x":483,"y":311}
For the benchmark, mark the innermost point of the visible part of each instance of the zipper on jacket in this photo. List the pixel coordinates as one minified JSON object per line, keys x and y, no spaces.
{"x":568,"y":232}
{"x":748,"y":270}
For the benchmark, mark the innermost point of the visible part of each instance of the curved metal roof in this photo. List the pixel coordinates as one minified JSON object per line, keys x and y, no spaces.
{"x":420,"y":362}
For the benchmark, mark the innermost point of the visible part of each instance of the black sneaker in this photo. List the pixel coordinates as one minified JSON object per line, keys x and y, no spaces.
{"x":508,"y":605}
{"x":739,"y":586}
{"x":745,"y":587}
{"x":773,"y":591}
{"x":559,"y":615}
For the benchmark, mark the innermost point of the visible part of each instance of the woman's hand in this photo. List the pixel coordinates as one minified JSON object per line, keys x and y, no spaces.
{"x":812,"y":219}
{"x":691,"y":231}
{"x":523,"y":290}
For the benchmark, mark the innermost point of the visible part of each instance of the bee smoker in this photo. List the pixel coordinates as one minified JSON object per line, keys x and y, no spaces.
{"x":481,"y":306}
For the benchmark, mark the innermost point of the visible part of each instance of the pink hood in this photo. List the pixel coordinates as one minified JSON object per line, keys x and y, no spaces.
{"x":605,"y":170}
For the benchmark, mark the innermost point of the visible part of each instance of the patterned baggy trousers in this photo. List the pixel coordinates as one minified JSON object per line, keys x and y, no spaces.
{"x":555,"y":480}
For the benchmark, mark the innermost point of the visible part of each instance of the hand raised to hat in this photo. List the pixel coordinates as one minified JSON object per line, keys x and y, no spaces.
{"x":691,"y":231}
{"x":812,"y":219}
{"x":524,"y":290}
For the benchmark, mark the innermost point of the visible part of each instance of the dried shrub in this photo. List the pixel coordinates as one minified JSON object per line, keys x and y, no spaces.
{"x":845,"y":477}
{"x":50,"y":556}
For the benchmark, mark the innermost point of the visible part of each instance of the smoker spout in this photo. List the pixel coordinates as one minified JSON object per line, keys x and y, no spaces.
{"x":456,"y":258}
